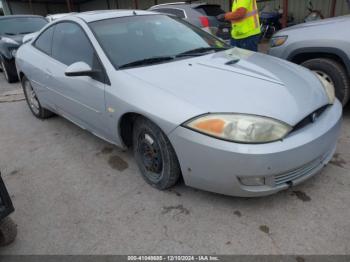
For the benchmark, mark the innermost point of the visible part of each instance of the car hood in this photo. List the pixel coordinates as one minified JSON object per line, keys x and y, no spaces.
{"x":239,"y":81}
{"x":334,"y":22}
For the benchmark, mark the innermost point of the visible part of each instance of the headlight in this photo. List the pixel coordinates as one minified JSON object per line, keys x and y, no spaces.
{"x":9,"y":41}
{"x":278,"y":40}
{"x":328,"y":87}
{"x":240,"y":128}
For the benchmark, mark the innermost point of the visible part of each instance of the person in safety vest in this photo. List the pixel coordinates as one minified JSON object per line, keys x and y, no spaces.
{"x":245,"y":24}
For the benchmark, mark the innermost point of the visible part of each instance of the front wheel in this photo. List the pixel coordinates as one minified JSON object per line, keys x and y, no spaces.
{"x":334,"y":73}
{"x":155,"y":155}
{"x":33,"y":101}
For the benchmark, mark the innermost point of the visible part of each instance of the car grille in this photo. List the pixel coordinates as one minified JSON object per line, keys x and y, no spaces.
{"x":310,"y":118}
{"x":297,"y":173}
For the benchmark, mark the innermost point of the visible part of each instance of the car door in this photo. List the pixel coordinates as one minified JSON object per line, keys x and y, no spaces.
{"x":39,"y":67}
{"x":79,"y":98}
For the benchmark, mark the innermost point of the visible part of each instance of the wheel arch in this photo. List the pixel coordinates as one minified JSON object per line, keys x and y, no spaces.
{"x":303,"y":54}
{"x":126,"y":125}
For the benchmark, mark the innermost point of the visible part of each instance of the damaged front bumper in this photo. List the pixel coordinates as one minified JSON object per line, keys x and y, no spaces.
{"x":232,"y":169}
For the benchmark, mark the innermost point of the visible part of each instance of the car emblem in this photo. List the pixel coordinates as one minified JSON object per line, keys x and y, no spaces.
{"x":314,"y":117}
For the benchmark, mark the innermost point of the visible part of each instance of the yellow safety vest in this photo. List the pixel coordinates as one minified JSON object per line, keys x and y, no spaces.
{"x":249,"y":25}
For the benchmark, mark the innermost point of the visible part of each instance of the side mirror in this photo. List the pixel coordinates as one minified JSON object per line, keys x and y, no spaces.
{"x":29,"y":37}
{"x":80,"y":69}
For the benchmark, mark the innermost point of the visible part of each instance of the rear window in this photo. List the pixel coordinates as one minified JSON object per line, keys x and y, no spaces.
{"x":210,"y":10}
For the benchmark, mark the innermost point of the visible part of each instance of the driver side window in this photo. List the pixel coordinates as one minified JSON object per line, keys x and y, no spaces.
{"x":71,"y":45}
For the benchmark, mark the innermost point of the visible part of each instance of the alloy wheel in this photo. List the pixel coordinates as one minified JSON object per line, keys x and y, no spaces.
{"x":31,"y":98}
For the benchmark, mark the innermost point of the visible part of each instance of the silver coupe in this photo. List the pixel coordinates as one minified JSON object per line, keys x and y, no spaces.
{"x":227,"y":120}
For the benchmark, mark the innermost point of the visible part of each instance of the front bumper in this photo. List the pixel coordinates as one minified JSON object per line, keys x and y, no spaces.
{"x":215,"y":165}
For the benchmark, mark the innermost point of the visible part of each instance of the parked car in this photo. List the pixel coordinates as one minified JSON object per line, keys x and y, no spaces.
{"x":228,"y":120}
{"x":54,"y":17}
{"x":199,"y":14}
{"x":12,"y":30}
{"x":320,"y":47}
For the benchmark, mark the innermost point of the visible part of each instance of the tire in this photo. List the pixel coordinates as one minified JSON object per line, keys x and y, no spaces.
{"x":155,"y":155}
{"x":336,"y":73}
{"x":9,"y":75}
{"x":8,"y":231}
{"x":33,"y":102}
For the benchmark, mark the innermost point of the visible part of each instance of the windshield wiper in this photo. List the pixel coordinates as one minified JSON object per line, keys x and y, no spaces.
{"x":9,"y":33}
{"x":25,"y":33}
{"x":148,"y":61}
{"x":201,"y":51}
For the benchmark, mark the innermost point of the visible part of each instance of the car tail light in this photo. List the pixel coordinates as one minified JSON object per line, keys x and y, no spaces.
{"x":204,"y":21}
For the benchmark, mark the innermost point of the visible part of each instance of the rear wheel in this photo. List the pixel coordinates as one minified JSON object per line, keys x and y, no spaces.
{"x":334,"y":73}
{"x":33,"y":101}
{"x":155,"y":155}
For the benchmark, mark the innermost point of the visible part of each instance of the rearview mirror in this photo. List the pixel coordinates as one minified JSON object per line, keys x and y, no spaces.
{"x":80,"y":69}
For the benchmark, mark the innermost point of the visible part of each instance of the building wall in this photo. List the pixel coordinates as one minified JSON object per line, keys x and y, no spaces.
{"x":114,"y":4}
{"x":297,"y":7}
{"x":38,"y":8}
{"x":94,"y":5}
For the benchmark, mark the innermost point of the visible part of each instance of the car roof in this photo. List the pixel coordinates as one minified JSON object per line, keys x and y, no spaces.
{"x":19,"y":16}
{"x":93,"y":16}
{"x":182,"y":4}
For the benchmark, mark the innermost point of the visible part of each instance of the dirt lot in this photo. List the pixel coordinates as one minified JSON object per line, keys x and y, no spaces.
{"x":76,"y":194}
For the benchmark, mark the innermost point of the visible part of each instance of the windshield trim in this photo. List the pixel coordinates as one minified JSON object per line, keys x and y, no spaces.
{"x":117,"y":67}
